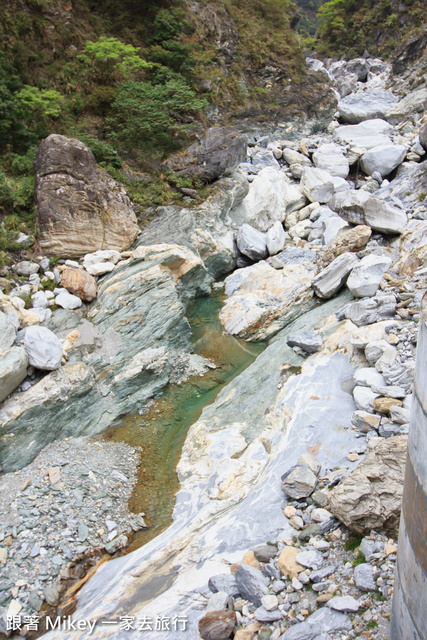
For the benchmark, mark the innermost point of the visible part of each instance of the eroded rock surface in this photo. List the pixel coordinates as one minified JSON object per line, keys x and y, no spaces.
{"x":80,"y":209}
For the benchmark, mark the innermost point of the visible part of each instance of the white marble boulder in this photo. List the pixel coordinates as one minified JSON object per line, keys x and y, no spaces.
{"x":330,"y":280}
{"x":365,"y":279}
{"x":384,"y":159}
{"x":366,"y":105}
{"x":360,"y":207}
{"x":252,"y":243}
{"x":317,"y":184}
{"x":331,"y":158}
{"x":43,"y":348}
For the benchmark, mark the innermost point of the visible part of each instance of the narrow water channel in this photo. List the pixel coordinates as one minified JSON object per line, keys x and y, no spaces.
{"x":162,"y":429}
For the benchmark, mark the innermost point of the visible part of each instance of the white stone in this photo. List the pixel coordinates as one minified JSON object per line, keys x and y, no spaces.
{"x":331,"y":279}
{"x":40,"y":300}
{"x":331,"y":227}
{"x":100,"y":268}
{"x":104,"y":255}
{"x":361,"y":207}
{"x":367,"y":134}
{"x":384,"y":159}
{"x":365,"y":279}
{"x":364,"y":398}
{"x":331,"y":158}
{"x":66,"y":300}
{"x":368,"y":377}
{"x":271,"y":197}
{"x":270,"y":602}
{"x":366,"y":105}
{"x":276,"y":238}
{"x":252,"y":243}
{"x":43,"y":348}
{"x":317,"y":184}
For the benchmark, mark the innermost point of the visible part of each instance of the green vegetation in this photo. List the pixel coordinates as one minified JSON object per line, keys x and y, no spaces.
{"x":351,"y":26}
{"x":125,"y":79}
{"x":353,"y":542}
{"x":359,"y":558}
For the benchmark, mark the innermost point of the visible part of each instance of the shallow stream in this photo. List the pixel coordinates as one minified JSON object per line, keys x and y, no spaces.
{"x":161,"y":430}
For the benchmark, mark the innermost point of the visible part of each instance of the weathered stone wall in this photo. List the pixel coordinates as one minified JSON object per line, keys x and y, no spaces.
{"x":409,"y":621}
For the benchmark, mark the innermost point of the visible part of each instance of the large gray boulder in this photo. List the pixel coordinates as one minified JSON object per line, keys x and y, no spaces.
{"x":80,"y":209}
{"x":370,"y":496}
{"x":276,"y":238}
{"x":271,"y":197}
{"x":250,"y":583}
{"x":370,"y":104}
{"x":252,"y":243}
{"x":384,"y":159}
{"x":331,"y":158}
{"x":220,"y":150}
{"x":13,"y":370}
{"x":330,"y":280}
{"x":262,"y":300}
{"x":366,"y":135}
{"x":43,"y":348}
{"x":360,"y":207}
{"x":365,"y":279}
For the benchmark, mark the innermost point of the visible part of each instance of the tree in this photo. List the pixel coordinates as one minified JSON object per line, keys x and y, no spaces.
{"x":109,"y":55}
{"x":147,"y":114}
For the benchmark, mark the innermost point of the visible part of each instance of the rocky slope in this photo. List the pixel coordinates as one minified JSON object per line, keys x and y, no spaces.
{"x":328,"y":235}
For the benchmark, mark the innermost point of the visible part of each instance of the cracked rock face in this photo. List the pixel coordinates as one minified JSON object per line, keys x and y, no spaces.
{"x":80,"y":209}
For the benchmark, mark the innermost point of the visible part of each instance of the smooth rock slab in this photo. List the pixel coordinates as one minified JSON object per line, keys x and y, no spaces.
{"x":263,"y":300}
{"x":367,"y":105}
{"x":250,"y":583}
{"x":360,"y":207}
{"x":365,"y":279}
{"x":364,"y":577}
{"x":43,"y":348}
{"x":13,"y":370}
{"x":252,"y":243}
{"x":365,"y":135}
{"x":330,"y":280}
{"x":384,"y":159}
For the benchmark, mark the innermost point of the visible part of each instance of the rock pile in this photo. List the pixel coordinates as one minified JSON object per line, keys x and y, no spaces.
{"x":68,"y":506}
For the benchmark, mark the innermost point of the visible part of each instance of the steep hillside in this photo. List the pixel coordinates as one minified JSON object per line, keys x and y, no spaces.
{"x":138,"y":79}
{"x":351,"y":26}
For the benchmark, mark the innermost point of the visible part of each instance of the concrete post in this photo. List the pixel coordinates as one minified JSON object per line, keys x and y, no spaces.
{"x":409,"y":612}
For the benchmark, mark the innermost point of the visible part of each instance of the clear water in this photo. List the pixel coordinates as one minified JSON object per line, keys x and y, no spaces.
{"x":161,"y":431}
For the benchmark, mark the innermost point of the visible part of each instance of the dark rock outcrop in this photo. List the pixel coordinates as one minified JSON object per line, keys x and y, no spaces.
{"x":221,"y":149}
{"x":80,"y":210}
